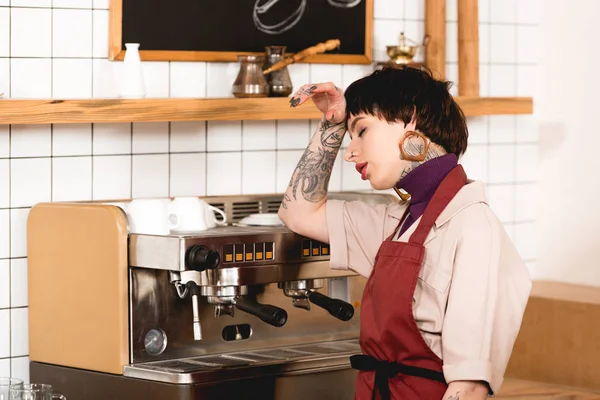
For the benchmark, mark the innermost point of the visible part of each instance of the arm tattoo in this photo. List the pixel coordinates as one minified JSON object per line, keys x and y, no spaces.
{"x":331,"y":134}
{"x":414,"y":147}
{"x":455,"y":397}
{"x":285,"y":200}
{"x":312,"y":174}
{"x":315,"y":166}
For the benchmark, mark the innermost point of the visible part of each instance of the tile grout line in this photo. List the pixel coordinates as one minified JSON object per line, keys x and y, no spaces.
{"x":276,"y":154}
{"x":92,"y":128}
{"x":10,"y":250}
{"x":489,"y":83}
{"x":169,"y":130}
{"x":514,"y":121}
{"x":131,"y":160}
{"x":205,"y":157}
{"x":51,"y":96}
{"x":206,"y":133}
{"x":10,"y":199}
{"x":9,"y":89}
{"x":92,"y":63}
{"x":51,"y":50}
{"x":242,"y":157}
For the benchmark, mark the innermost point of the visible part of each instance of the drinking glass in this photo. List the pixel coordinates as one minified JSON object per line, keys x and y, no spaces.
{"x":6,"y":384}
{"x":34,"y":391}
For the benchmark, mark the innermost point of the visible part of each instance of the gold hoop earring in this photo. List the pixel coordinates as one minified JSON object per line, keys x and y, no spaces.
{"x":418,"y":157}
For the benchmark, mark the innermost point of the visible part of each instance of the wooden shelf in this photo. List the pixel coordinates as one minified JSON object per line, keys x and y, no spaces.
{"x":53,"y":111}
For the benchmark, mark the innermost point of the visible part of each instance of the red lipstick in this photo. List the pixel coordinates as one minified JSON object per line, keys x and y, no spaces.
{"x":362,"y":170}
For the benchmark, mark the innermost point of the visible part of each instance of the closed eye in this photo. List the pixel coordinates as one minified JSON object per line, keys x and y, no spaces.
{"x":360,"y":133}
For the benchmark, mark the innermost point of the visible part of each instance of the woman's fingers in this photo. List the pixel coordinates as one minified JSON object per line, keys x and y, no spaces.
{"x":306,"y":92}
{"x":328,"y":98}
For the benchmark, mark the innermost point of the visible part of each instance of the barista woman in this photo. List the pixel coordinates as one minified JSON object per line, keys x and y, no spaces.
{"x":447,"y":289}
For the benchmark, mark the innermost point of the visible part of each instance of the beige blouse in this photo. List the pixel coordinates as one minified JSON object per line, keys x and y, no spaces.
{"x":473,"y":286}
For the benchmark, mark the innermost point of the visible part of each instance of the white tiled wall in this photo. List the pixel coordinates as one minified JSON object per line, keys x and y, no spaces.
{"x":58,"y":48}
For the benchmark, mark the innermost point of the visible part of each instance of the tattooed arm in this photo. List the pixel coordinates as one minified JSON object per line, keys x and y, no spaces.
{"x":466,"y":390}
{"x":303,"y":206}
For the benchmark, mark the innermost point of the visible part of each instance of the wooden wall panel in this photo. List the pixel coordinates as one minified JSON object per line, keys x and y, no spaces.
{"x":435,"y":27}
{"x":468,"y":48}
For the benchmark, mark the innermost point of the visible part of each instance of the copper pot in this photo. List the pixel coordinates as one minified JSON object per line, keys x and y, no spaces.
{"x":250,"y":81}
{"x":280,"y":83}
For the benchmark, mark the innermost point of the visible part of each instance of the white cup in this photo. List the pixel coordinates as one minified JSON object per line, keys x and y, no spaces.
{"x":148,"y":216}
{"x":191,"y":214}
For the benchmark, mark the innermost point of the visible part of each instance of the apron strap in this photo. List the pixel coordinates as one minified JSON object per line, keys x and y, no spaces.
{"x":449,"y":187}
{"x":385,"y":370}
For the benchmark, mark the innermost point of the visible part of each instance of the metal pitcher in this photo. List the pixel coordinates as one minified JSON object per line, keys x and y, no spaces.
{"x":279,"y":81}
{"x":250,"y":81}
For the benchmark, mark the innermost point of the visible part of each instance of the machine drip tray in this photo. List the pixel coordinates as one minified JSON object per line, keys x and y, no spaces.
{"x":291,"y":360}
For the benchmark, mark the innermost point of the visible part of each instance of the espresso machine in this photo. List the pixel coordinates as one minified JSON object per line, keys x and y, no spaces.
{"x":233,"y":312}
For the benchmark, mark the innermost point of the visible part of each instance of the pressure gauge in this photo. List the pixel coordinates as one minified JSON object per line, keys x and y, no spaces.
{"x":155,"y":341}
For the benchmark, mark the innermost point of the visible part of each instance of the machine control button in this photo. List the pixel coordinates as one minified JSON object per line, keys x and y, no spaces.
{"x":324,"y":249}
{"x":315,"y":248}
{"x":228,"y":253}
{"x":200,"y":258}
{"x":306,"y":248}
{"x":249,"y":248}
{"x":269,"y":254}
{"x":239,"y":252}
{"x":259,"y":251}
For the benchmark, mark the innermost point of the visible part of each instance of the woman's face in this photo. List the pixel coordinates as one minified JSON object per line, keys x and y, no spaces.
{"x":375,"y":149}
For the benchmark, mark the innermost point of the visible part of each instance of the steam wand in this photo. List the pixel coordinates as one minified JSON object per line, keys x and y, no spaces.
{"x":195,"y":292}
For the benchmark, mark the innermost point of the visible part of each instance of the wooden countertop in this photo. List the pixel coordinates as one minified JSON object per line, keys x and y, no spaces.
{"x":517,"y":389}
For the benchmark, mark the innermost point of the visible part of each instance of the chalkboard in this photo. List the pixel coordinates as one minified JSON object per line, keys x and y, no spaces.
{"x":219,"y":30}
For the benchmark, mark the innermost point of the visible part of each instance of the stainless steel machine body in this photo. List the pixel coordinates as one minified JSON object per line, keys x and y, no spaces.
{"x":163,"y":342}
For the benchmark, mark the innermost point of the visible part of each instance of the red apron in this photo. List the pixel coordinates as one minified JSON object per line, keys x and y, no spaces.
{"x":396,"y":361}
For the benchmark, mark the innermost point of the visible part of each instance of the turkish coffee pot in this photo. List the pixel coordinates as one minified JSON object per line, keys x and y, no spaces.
{"x":250,"y":81}
{"x":280,"y":83}
{"x":262,"y":76}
